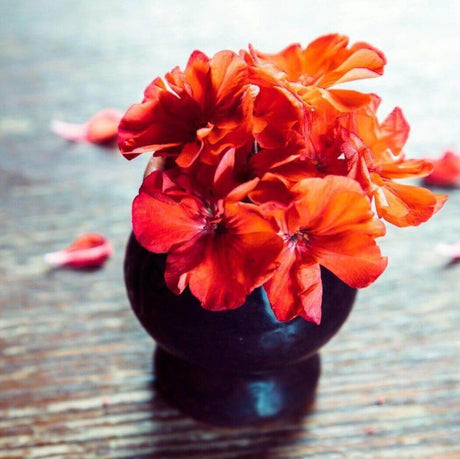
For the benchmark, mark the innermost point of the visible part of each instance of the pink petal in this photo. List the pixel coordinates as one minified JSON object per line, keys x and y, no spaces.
{"x":87,"y":251}
{"x":100,"y":129}
{"x":69,"y":131}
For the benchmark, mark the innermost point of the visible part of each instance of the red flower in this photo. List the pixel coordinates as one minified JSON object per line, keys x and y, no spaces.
{"x":222,"y":248}
{"x":446,"y":171}
{"x":269,"y":173}
{"x":375,"y":157}
{"x":199,"y":112}
{"x":327,"y":61}
{"x":329,"y":224}
{"x":323,"y":63}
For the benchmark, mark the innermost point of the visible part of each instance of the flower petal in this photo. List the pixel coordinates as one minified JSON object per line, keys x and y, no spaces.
{"x":446,"y":171}
{"x":295,"y":289}
{"x":362,"y":63}
{"x":353,"y":257}
{"x":87,"y":251}
{"x":102,"y":128}
{"x":236,"y":260}
{"x":162,"y":220}
{"x":345,"y":100}
{"x":162,"y":120}
{"x":394,"y":132}
{"x":337,"y":221}
{"x":335,"y":205}
{"x":406,"y":205}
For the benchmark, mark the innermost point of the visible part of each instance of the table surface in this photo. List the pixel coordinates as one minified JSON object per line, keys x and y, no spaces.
{"x":75,"y":366}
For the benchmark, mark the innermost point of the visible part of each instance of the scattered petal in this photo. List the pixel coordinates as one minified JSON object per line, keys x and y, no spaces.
{"x":446,"y":171}
{"x":102,"y":128}
{"x":451,"y":251}
{"x":87,"y":251}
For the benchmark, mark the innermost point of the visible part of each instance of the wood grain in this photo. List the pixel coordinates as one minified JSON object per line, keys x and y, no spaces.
{"x":75,"y":367}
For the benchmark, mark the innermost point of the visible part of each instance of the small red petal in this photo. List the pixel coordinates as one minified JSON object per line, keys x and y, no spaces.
{"x":87,"y":251}
{"x":100,"y":129}
{"x":446,"y":171}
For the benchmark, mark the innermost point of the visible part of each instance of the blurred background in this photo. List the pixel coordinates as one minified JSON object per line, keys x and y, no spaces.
{"x":75,"y":370}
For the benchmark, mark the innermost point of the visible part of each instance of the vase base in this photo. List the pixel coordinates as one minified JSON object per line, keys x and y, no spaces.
{"x":233,"y":400}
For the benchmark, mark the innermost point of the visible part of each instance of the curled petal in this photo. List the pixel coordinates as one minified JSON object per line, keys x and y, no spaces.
{"x":345,"y":100}
{"x":405,"y":168}
{"x":393,"y":133}
{"x":87,"y":251}
{"x":162,"y":220}
{"x":326,"y":61}
{"x":362,"y":63}
{"x":295,"y":289}
{"x":100,"y":129}
{"x":272,"y":188}
{"x":225,"y":174}
{"x":406,"y":205}
{"x":161,"y":122}
{"x":276,"y":112}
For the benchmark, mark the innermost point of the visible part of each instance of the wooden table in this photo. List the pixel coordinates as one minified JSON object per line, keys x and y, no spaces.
{"x":75,"y":366}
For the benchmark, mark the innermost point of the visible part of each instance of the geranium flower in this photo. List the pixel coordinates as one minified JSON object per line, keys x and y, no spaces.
{"x":375,"y":156}
{"x":199,"y":112}
{"x":269,"y":172}
{"x":221,"y":248}
{"x":325,"y":62}
{"x":315,"y":149}
{"x":329,"y":224}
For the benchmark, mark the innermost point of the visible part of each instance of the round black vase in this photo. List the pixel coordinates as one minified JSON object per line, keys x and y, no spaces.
{"x":235,"y":367}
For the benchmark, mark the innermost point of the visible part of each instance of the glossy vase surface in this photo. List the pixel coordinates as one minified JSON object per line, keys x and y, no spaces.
{"x":233,"y":367}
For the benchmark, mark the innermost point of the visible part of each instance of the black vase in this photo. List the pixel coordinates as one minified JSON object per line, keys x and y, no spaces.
{"x":235,"y":367}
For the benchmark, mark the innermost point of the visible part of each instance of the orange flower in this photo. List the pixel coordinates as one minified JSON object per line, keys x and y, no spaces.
{"x":199,"y":112}
{"x":331,"y":224}
{"x":375,"y":158}
{"x":327,"y":61}
{"x":323,"y":63}
{"x":314,"y":149}
{"x":222,"y":248}
{"x":270,"y":172}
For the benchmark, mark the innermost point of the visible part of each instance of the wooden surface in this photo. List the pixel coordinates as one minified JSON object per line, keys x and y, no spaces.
{"x":75,"y":366}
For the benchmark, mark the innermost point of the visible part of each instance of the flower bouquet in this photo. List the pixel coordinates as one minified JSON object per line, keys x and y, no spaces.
{"x":265,"y":174}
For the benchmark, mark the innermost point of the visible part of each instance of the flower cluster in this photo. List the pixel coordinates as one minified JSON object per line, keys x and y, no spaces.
{"x":269,"y":172}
